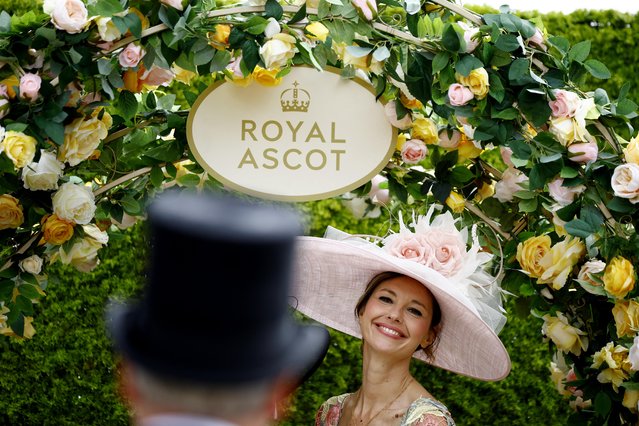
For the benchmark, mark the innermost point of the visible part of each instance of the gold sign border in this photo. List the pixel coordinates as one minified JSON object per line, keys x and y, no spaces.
{"x":276,"y":197}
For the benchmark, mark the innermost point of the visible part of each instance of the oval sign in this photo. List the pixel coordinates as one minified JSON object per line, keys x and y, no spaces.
{"x":314,"y":136}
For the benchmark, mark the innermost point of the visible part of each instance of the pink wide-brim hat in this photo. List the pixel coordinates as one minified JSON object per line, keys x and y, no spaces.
{"x":331,"y":275}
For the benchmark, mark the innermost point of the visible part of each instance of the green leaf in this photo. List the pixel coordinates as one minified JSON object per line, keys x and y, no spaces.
{"x":534,"y":106}
{"x":593,"y":216}
{"x":597,"y":69}
{"x":505,"y":114}
{"x":104,"y":66}
{"x":507,"y":42}
{"x":520,"y":149}
{"x":272,"y":9}
{"x":603,"y":404}
{"x":461,"y":174}
{"x":579,"y":228}
{"x":24,"y":305}
{"x":568,"y":172}
{"x":625,"y":107}
{"x":440,"y":61}
{"x":250,"y":54}
{"x":466,"y":64}
{"x":496,"y":89}
{"x":157,"y":176}
{"x":620,"y":205}
{"x":127,"y":104}
{"x":53,"y":130}
{"x":528,"y":206}
{"x":540,"y":174}
{"x":29,"y":291}
{"x":562,"y":44}
{"x":299,"y":15}
{"x":397,"y":189}
{"x":5,"y":22}
{"x":204,"y":56}
{"x":189,"y":180}
{"x":256,"y":25}
{"x":519,"y":72}
{"x":104,"y":8}
{"x":450,"y":39}
{"x":580,"y":51}
{"x":131,"y":205}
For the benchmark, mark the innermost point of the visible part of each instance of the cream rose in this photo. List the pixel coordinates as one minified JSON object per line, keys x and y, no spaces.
{"x":19,"y":147}
{"x":11,"y":215}
{"x":626,"y":316}
{"x":564,"y":195}
{"x":530,"y":253}
{"x":557,"y":264}
{"x":566,"y":337}
{"x":470,"y":36}
{"x":83,"y":255}
{"x":43,"y":175}
{"x":56,"y":231}
{"x":30,"y":86}
{"x":633,"y":355}
{"x":476,"y":81}
{"x":277,"y":51}
{"x":74,"y":203}
{"x":272,"y":27}
{"x":563,"y":128}
{"x":413,"y":151}
{"x":631,"y":151}
{"x":459,"y":95}
{"x":588,"y":269}
{"x":131,"y":55}
{"x":625,"y":182}
{"x":511,"y":182}
{"x":425,"y":129}
{"x":68,"y":15}
{"x":565,"y":103}
{"x":82,"y":137}
{"x":107,"y":29}
{"x":367,"y":8}
{"x":619,"y":277}
{"x":31,"y":265}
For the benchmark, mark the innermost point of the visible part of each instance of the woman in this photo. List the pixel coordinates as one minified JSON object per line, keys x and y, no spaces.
{"x":421,"y":294}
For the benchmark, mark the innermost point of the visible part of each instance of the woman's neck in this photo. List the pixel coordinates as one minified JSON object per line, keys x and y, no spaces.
{"x":382,"y":377}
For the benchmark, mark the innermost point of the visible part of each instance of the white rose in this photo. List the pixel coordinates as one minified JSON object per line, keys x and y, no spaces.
{"x":564,"y":195}
{"x":278,"y":50}
{"x":107,"y":29}
{"x":74,"y":203}
{"x":43,"y":175}
{"x":594,"y":266}
{"x":31,"y":264}
{"x":469,"y":36}
{"x":272,"y":28}
{"x":625,"y":182}
{"x":509,"y":184}
{"x":633,"y":355}
{"x":177,"y":4}
{"x":83,"y":255}
{"x":68,"y":15}
{"x":564,"y":129}
{"x":94,"y":232}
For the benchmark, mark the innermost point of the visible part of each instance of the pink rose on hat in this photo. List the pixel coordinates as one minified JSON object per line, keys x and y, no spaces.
{"x":407,"y":245}
{"x":447,"y":253}
{"x":414,"y":151}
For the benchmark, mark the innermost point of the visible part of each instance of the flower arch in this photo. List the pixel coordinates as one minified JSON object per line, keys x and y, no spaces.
{"x":492,"y":124}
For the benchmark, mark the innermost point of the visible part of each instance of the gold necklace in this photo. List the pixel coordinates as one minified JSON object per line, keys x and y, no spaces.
{"x":352,"y":422}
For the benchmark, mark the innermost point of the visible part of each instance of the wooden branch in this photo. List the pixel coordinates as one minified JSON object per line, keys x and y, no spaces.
{"x":493,"y":225}
{"x":608,"y":136}
{"x":461,"y":11}
{"x":22,"y":250}
{"x":121,"y":180}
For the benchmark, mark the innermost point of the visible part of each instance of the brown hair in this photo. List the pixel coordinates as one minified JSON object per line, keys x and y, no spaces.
{"x":435,"y":325}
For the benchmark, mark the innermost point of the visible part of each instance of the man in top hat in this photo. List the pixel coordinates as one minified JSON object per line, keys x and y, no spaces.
{"x":211,"y":342}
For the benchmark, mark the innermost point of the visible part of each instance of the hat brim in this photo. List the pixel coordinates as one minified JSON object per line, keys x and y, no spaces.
{"x":331,"y":276}
{"x":302,"y":351}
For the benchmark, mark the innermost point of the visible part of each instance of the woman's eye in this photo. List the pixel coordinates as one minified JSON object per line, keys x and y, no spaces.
{"x":385,"y":299}
{"x":415,"y":312}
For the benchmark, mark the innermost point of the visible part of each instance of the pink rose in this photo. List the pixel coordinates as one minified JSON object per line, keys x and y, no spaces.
{"x":177,"y":4}
{"x":391,"y":115}
{"x":459,"y":94}
{"x":68,"y":15}
{"x":408,"y":246}
{"x":449,"y":138}
{"x":376,"y":194}
{"x":469,"y":36}
{"x":510,"y":183}
{"x":447,"y":253}
{"x":506,"y":154}
{"x":538,"y":39}
{"x":565,"y":103}
{"x":366,"y":8}
{"x":156,"y":76}
{"x":564,"y":195}
{"x":131,"y":55}
{"x":414,"y":151}
{"x":583,"y":152}
{"x":30,"y":86}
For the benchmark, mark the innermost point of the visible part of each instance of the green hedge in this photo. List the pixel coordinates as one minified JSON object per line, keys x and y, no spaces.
{"x":65,"y":375}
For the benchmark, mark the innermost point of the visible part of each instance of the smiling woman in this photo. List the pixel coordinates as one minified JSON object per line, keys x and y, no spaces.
{"x":422,"y":294}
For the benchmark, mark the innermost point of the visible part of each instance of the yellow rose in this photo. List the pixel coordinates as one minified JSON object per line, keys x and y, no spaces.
{"x":484,"y":191}
{"x":630,"y":399}
{"x":266,"y":77}
{"x":557,"y":264}
{"x":82,"y":137}
{"x":83,"y":255}
{"x":409,"y":103}
{"x":619,"y":277}
{"x":456,"y":202}
{"x":277,"y":51}
{"x":626,"y":316}
{"x":11,"y":215}
{"x":530,"y":252}
{"x":467,"y":149}
{"x":182,"y":75}
{"x":566,"y":337}
{"x":401,"y":139}
{"x":12,"y":83}
{"x":56,"y":231}
{"x":220,"y":36}
{"x":476,"y":81}
{"x":317,"y":31}
{"x":631,"y":151}
{"x":425,"y":129}
{"x":27,"y":333}
{"x":19,"y":147}
{"x":558,"y":377}
{"x":616,"y":359}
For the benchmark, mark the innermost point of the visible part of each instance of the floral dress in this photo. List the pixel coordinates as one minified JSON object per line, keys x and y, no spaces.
{"x":422,"y":412}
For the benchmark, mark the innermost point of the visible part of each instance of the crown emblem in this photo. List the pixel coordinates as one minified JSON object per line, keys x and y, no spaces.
{"x":291,"y":101}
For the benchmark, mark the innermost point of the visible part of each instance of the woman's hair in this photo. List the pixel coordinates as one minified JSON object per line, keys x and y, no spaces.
{"x":435,"y":324}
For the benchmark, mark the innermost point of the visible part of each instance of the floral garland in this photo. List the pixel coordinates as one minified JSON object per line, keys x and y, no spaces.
{"x":493,"y":124}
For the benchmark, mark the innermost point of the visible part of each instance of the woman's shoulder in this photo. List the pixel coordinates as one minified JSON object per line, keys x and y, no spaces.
{"x":427,"y":412}
{"x":330,"y":411}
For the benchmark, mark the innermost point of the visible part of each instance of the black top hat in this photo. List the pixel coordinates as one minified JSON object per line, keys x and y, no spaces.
{"x":215,"y":305}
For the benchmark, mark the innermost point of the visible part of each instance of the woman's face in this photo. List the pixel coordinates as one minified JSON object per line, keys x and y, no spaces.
{"x":397,"y":316}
